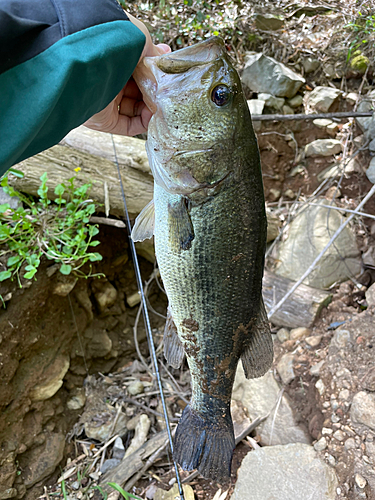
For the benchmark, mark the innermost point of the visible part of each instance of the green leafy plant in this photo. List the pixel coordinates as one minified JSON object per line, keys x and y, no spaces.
{"x":122,"y":492}
{"x":364,"y":29}
{"x":58,"y":230}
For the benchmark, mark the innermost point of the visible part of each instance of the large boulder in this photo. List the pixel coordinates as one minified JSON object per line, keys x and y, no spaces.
{"x":294,"y":471}
{"x":264,"y":74}
{"x":308,"y":234}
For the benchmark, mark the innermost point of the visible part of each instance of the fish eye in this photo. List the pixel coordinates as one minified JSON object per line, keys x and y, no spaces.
{"x":221,"y":95}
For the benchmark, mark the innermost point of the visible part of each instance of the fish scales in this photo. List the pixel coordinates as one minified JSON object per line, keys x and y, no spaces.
{"x":208,"y":219}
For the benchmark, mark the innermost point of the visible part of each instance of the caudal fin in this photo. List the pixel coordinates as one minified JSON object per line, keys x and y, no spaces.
{"x":204,"y":445}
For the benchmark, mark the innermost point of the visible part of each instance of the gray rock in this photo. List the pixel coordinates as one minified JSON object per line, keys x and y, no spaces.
{"x":321,"y":99}
{"x":8,"y":493}
{"x":371,"y":146}
{"x":64,"y":284}
{"x":322,"y":122}
{"x":296,"y":471}
{"x":259,"y":396}
{"x":314,"y":340}
{"x":295,"y":102}
{"x":315,"y":369}
{"x":287,"y":110}
{"x":351,"y":98}
{"x":135,"y":388}
{"x":77,"y":399}
{"x":362,"y":410}
{"x":100,"y":345}
{"x":268,"y":22}
{"x":370,"y":172}
{"x":271,"y":101}
{"x":370,"y":295}
{"x":285,"y":368}
{"x":256,"y":107}
{"x":109,"y":464}
{"x":320,"y":386}
{"x":339,"y":435}
{"x":323,"y":147}
{"x":283,"y":334}
{"x":350,"y":444}
{"x":365,"y":123}
{"x":264,"y":74}
{"x":12,"y":201}
{"x":309,"y":64}
{"x":344,"y":394}
{"x":308,"y":234}
{"x":341,"y":339}
{"x":118,"y":450}
{"x":321,"y":444}
{"x":360,"y":481}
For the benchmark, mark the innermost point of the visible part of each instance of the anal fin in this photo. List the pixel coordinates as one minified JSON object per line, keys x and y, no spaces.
{"x":258,"y":355}
{"x":173,"y":349}
{"x":144,"y":224}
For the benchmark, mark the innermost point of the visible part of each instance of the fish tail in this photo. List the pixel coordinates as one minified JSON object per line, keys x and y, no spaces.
{"x":201,"y":444}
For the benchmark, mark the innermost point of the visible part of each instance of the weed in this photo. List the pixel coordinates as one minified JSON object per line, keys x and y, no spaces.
{"x":122,"y":492}
{"x":364,"y":29}
{"x":58,"y":230}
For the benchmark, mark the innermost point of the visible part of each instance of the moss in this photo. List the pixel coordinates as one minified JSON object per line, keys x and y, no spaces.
{"x":359,"y":63}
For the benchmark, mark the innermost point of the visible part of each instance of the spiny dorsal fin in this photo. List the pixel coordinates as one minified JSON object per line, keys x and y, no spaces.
{"x":144,"y":224}
{"x":258,"y":355}
{"x":181,"y":232}
{"x":173,"y":350}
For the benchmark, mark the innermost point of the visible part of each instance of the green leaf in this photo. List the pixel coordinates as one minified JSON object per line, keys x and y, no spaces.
{"x":93,"y":230}
{"x":4,"y":275}
{"x":59,"y":189}
{"x":95,"y":257}
{"x":16,"y":173}
{"x":65,"y":269}
{"x":43,"y":177}
{"x":13,"y":260}
{"x":94,"y":243}
{"x":30,"y":274}
{"x":4,"y":208}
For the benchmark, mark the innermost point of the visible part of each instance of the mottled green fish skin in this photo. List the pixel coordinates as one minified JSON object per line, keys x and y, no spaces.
{"x":214,"y":283}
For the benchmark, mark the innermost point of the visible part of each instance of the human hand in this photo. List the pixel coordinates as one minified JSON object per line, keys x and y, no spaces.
{"x":127,"y":114}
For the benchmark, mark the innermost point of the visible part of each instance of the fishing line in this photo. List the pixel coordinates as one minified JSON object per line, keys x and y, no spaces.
{"x":147,"y":319}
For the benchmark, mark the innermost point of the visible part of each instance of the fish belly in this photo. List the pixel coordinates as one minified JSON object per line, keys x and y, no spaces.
{"x":214,"y":290}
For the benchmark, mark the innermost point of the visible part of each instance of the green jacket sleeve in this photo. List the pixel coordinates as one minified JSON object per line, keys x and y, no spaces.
{"x":68,"y":60}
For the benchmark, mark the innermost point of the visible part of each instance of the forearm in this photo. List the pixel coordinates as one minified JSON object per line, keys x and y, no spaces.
{"x":60,"y":63}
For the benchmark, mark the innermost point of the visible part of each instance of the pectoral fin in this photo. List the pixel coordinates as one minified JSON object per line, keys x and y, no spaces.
{"x":144,"y":224}
{"x":181,"y":232}
{"x":258,"y":355}
{"x":173,"y":350}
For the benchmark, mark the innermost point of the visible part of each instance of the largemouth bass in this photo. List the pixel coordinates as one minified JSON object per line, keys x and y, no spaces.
{"x":209,"y":222}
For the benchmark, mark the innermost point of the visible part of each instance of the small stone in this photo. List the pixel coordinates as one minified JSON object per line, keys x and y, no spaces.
{"x":295,"y":102}
{"x":321,"y":444}
{"x":173,"y":493}
{"x":289,"y":193}
{"x":350,"y":444}
{"x":339,"y":435}
{"x":53,"y":375}
{"x":287,"y":110}
{"x":135,"y":388}
{"x":274,"y":194}
{"x":118,"y":450}
{"x":285,"y":368}
{"x":298,"y":333}
{"x":351,"y":98}
{"x":326,"y":431}
{"x":105,"y":294}
{"x":370,"y":172}
{"x":322,"y":122}
{"x":314,"y":341}
{"x":8,"y":493}
{"x":335,"y":419}
{"x":344,"y":394}
{"x":360,"y":481}
{"x":64,"y":285}
{"x":271,"y":101}
{"x":315,"y":369}
{"x":331,"y":460}
{"x":323,"y":147}
{"x":133,"y":299}
{"x":359,"y":140}
{"x":334,"y":405}
{"x":320,"y":386}
{"x":341,"y":339}
{"x":332,"y":129}
{"x":309,"y":64}
{"x":363,"y":409}
{"x":322,"y":98}
{"x":100,"y":344}
{"x":109,"y":464}
{"x":75,"y":485}
{"x":370,"y":296}
{"x":326,"y":404}
{"x":283,"y":334}
{"x":77,"y":400}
